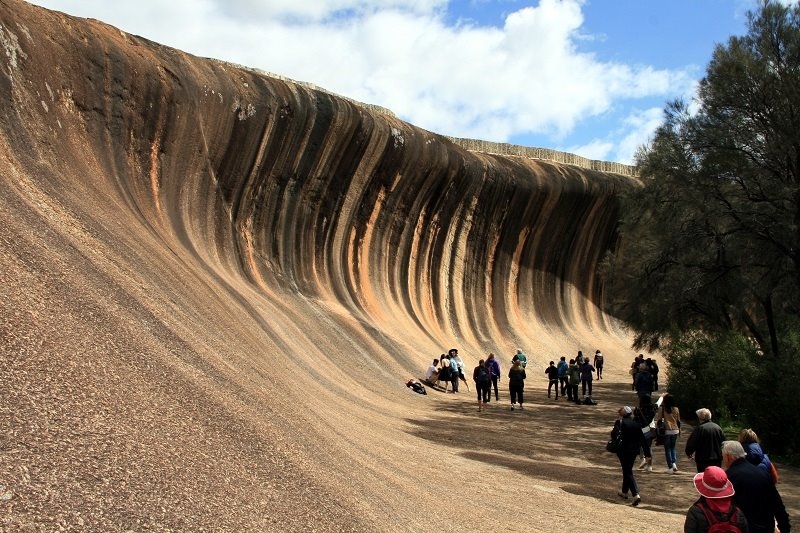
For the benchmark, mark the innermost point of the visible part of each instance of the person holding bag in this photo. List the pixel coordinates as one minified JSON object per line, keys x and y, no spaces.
{"x":644,"y":416}
{"x":632,"y":441}
{"x":669,"y":416}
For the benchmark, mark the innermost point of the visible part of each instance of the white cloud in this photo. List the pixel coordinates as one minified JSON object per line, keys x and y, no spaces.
{"x":493,"y":83}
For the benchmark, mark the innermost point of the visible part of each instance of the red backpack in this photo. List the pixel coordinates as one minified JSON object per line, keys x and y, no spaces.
{"x":721,"y":523}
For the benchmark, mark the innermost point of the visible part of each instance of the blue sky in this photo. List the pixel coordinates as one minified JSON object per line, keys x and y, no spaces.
{"x":589,"y":77}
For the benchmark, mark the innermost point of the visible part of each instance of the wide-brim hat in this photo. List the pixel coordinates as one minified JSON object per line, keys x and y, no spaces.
{"x":713,"y":483}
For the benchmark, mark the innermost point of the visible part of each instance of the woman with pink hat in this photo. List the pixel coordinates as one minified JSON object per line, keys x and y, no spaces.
{"x":715,"y":505}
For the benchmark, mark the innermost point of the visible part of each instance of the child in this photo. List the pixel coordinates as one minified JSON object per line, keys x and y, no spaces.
{"x":552,"y":373}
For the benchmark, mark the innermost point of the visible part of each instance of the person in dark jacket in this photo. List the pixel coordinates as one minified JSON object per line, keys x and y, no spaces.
{"x":483,"y":383}
{"x":516,"y":383}
{"x":552,"y":376}
{"x":704,"y":445}
{"x":587,"y":375}
{"x":494,"y":369}
{"x":756,"y":494}
{"x":644,"y":416}
{"x":574,"y":375}
{"x":632,"y":441}
{"x":715,"y":503}
{"x":644,"y":381}
{"x":563,"y":377}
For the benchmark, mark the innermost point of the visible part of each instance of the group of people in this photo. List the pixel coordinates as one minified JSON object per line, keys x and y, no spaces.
{"x":735,"y":479}
{"x":580,"y":371}
{"x":563,"y":378}
{"x":644,"y":372}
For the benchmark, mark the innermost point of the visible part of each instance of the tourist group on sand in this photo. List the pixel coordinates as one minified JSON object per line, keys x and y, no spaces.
{"x":735,"y":479}
{"x":565,"y":378}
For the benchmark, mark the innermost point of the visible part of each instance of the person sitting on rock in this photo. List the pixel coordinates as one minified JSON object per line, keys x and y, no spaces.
{"x":432,"y":374}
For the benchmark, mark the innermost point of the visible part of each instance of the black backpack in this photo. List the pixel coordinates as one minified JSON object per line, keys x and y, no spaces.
{"x":482,"y":376}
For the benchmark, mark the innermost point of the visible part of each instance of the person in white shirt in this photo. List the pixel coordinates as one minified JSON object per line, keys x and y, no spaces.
{"x":432,"y":375}
{"x":455,"y":359}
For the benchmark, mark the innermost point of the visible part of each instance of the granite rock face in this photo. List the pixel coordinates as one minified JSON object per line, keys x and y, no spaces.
{"x":188,"y":240}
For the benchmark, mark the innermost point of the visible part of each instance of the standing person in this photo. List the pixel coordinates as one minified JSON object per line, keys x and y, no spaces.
{"x":455,"y":358}
{"x":643,"y":414}
{"x":444,"y":371}
{"x":516,"y":383}
{"x":483,"y":383}
{"x":635,"y":369}
{"x":631,"y":442}
{"x":644,"y":381}
{"x":562,"y":375}
{"x":574,"y":379}
{"x":587,"y":375}
{"x":705,"y":443}
{"x":756,"y":494}
{"x":715,"y":503}
{"x":670,"y":415}
{"x":552,"y":374}
{"x":598,"y":364}
{"x":494,"y":369}
{"x":521,"y":357}
{"x":652,"y":366}
{"x":454,"y":370}
{"x":755,"y":455}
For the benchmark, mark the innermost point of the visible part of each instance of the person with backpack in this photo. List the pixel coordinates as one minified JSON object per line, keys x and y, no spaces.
{"x":516,"y":383}
{"x":494,"y":373}
{"x":521,"y":357}
{"x":715,"y":510}
{"x":483,"y":383}
{"x":454,"y":371}
{"x":598,"y":364}
{"x":755,"y":455}
{"x":562,"y":375}
{"x":552,"y":374}
{"x":632,"y":440}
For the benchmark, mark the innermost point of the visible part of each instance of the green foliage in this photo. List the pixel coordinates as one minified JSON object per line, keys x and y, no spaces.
{"x":775,"y":406}
{"x":708,"y":266}
{"x":722,"y":374}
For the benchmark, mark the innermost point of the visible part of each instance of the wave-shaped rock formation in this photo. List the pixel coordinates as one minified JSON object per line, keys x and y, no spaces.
{"x":216,"y":282}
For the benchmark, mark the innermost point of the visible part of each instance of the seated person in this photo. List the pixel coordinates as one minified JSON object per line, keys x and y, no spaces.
{"x":432,"y":375}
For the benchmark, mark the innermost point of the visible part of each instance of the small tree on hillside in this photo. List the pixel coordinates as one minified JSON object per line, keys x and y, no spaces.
{"x":711,"y":241}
